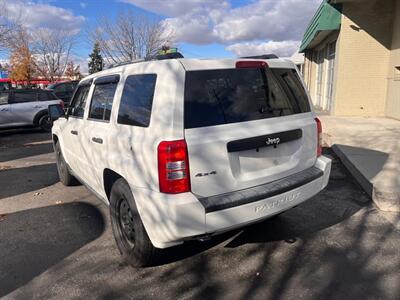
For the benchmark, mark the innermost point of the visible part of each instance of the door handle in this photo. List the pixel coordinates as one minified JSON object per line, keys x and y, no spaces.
{"x":74,"y":132}
{"x":4,"y":109}
{"x":97,"y":140}
{"x":37,"y":106}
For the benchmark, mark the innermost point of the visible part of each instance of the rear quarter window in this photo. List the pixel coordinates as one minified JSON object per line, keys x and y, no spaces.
{"x":137,"y":100}
{"x":217,"y":97}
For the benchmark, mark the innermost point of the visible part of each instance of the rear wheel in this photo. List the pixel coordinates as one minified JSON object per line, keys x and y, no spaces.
{"x":45,"y":123}
{"x":65,"y":176}
{"x":130,"y":235}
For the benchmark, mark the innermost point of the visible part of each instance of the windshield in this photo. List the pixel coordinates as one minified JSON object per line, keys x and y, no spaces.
{"x":216,"y":97}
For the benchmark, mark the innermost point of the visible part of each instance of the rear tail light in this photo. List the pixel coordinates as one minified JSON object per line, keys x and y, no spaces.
{"x":173,"y":167}
{"x":319,"y":137}
{"x":251,"y":64}
{"x":62,"y":104}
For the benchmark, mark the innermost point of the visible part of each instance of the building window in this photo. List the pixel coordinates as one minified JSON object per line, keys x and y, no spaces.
{"x":331,"y":54}
{"x":320,"y":77}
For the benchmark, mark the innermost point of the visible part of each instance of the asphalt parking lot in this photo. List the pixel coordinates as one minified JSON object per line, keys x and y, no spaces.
{"x":56,"y":242}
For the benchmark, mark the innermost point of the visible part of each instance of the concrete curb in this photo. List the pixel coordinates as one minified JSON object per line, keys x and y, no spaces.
{"x":385,"y":199}
{"x":358,"y":176}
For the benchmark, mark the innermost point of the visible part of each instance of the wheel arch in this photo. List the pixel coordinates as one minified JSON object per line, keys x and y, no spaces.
{"x":109,"y":178}
{"x":38,"y":115}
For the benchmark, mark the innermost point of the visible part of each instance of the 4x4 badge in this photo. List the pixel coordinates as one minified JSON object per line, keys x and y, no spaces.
{"x":205,"y":174}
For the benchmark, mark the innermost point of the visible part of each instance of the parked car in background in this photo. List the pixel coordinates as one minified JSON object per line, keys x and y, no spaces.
{"x":26,"y":108}
{"x":183,"y":149}
{"x":63,"y":90}
{"x":5,"y":84}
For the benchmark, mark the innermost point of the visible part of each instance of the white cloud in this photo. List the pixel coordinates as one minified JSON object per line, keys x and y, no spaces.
{"x":82,"y":62}
{"x":202,"y":22}
{"x":36,"y":15}
{"x":175,"y":8}
{"x":282,"y":49}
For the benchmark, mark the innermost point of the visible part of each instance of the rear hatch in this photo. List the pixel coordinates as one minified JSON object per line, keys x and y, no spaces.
{"x":246,"y":125}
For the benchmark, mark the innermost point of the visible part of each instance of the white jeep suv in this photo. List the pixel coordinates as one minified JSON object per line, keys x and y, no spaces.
{"x":184,"y":149}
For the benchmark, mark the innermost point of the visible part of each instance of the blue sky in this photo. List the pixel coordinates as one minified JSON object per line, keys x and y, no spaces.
{"x":203,"y":28}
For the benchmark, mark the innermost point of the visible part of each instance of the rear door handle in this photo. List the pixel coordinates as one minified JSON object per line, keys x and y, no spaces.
{"x":74,"y":132}
{"x":38,"y":106}
{"x":97,"y":140}
{"x":4,"y":109}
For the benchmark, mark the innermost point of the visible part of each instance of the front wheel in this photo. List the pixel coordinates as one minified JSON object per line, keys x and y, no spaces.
{"x":130,"y":235}
{"x":65,"y":176}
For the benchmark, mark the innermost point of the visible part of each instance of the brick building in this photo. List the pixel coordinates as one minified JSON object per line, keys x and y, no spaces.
{"x":352,"y":57}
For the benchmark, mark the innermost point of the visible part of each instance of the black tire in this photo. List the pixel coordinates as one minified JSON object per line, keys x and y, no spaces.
{"x":45,"y":123}
{"x":65,"y":176}
{"x":130,"y":235}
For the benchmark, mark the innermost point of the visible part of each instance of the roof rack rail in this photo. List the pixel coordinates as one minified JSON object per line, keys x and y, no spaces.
{"x":163,"y":56}
{"x":169,"y":56}
{"x":127,"y":62}
{"x":263,"y":56}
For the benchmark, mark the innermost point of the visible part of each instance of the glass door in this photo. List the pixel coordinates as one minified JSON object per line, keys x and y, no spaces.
{"x":320,"y":78}
{"x":331,"y":75}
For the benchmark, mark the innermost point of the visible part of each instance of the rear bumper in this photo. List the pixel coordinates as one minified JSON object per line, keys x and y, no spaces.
{"x":257,"y":193}
{"x":171,"y":219}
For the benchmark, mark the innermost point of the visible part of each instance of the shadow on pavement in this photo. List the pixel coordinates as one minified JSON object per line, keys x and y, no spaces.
{"x":334,"y":246}
{"x":23,"y":142}
{"x":322,"y":211}
{"x":33,"y":240}
{"x":23,"y":151}
{"x":22,"y":180}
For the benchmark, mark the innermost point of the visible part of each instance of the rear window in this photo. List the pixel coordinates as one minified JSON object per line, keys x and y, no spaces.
{"x":216,"y":97}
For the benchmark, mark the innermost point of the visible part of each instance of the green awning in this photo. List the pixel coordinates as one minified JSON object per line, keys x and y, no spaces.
{"x":327,"y":18}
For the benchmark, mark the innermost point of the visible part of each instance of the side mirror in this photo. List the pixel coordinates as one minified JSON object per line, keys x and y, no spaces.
{"x":55,"y":112}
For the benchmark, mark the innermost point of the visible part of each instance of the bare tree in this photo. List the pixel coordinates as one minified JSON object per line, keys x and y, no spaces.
{"x":131,"y":36}
{"x":52,"y":50}
{"x":8,"y":26}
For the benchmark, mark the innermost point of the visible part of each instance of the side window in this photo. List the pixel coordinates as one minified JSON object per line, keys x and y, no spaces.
{"x":79,"y":101}
{"x":102,"y":99}
{"x":295,"y":94}
{"x":3,"y":98}
{"x":137,"y":100}
{"x":26,"y":96}
{"x":46,"y":96}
